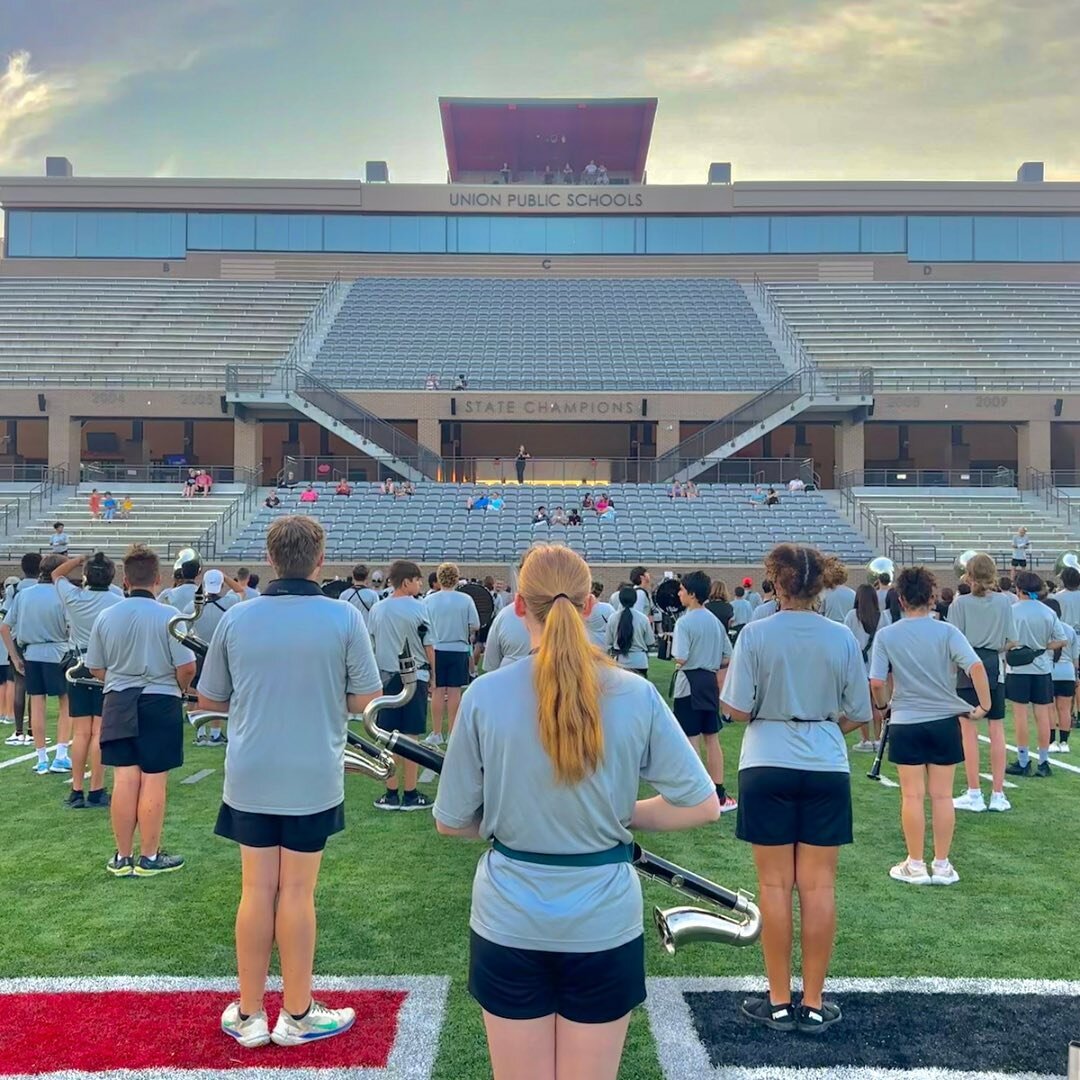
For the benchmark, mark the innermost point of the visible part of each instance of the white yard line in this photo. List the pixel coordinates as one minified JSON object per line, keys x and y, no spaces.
{"x":1055,"y":759}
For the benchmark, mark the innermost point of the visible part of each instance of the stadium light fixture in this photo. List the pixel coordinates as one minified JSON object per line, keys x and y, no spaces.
{"x":901,"y":476}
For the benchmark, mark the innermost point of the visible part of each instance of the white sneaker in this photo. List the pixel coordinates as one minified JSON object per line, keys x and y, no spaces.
{"x":999,"y":803}
{"x":864,"y":746}
{"x":432,"y":739}
{"x":909,"y":875}
{"x":320,"y":1023}
{"x":254,"y":1031}
{"x":970,"y":800}
{"x":14,"y":740}
{"x":1054,"y":748}
{"x":1063,"y":748}
{"x":7,"y":719}
{"x":943,"y":875}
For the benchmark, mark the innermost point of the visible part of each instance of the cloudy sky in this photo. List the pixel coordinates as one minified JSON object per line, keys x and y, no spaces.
{"x":785,"y":89}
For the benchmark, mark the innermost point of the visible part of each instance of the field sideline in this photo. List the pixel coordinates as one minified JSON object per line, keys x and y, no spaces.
{"x":394,"y":897}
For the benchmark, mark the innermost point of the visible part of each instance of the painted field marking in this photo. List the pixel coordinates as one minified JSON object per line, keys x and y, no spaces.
{"x":17,"y":760}
{"x":1055,"y":761}
{"x":194,"y":778}
{"x":987,"y":776}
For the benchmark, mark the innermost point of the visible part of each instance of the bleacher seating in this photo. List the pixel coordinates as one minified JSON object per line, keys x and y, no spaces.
{"x":608,"y":334}
{"x":143,"y":331}
{"x":942,"y":524}
{"x":160,"y":517}
{"x":915,"y":333}
{"x":719,"y":527}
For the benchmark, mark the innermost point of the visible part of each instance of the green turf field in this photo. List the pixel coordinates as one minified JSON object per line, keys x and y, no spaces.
{"x":394,"y":896}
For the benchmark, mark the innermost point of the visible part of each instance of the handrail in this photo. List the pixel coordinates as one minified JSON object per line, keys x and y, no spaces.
{"x":213,"y":536}
{"x":976,"y":478}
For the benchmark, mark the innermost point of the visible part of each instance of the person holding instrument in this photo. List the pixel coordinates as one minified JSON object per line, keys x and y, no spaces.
{"x":545,"y":761}
{"x":925,"y":743}
{"x":799,"y":680}
{"x":284,"y":770}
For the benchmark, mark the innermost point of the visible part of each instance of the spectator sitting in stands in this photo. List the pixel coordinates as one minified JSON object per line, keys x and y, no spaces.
{"x":496,"y":502}
{"x":590,"y":173}
{"x":796,"y":485}
{"x":602,"y":502}
{"x":108,"y":506}
{"x":343,"y":487}
{"x":607,"y":513}
{"x":587,"y":503}
{"x":404,"y":489}
{"x":574,"y":518}
{"x":272,"y":502}
{"x":559,"y":517}
{"x":431,"y":382}
{"x":461,"y":382}
{"x":505,"y":172}
{"x":757,"y":500}
{"x":309,"y":494}
{"x":126,"y":507}
{"x":771,"y":498}
{"x":690,"y":491}
{"x":602,"y":174}
{"x":541,"y":517}
{"x":481,"y":501}
{"x":568,"y":173}
{"x":204,"y":482}
{"x":189,"y":483}
{"x":676,"y":491}
{"x":389,"y":487}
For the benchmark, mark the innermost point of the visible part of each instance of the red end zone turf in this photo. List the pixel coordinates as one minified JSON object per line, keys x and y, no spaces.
{"x":96,"y":1032}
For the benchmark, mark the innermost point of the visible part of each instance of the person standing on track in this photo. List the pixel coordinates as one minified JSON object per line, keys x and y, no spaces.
{"x":545,"y":762}
{"x":799,"y":682}
{"x":284,"y":792}
{"x":453,"y":620}
{"x":630,"y":634}
{"x":923,"y":655}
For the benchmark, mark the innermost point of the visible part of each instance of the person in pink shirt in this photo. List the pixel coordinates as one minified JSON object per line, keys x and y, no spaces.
{"x":309,"y":495}
{"x":204,"y":482}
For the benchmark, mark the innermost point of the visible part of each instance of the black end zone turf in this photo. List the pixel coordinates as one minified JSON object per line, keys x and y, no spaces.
{"x":1007,"y":1033}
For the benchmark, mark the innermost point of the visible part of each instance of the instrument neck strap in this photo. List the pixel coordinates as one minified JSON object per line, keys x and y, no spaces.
{"x":292,"y":587}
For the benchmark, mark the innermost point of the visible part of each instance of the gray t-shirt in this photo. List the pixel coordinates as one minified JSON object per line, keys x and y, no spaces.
{"x":285,"y":665}
{"x":742,"y":611}
{"x":131,"y":642}
{"x":1021,"y":545}
{"x":38,"y":622}
{"x":181,"y":597}
{"x":1036,"y":625}
{"x":360,"y":597}
{"x":508,"y":640}
{"x":701,"y":642}
{"x":837,"y":603}
{"x":642,"y":601}
{"x":1065,"y":667}
{"x":212,"y":613}
{"x":923,"y":654}
{"x":765,"y":609}
{"x":596,"y":623}
{"x":82,"y":607}
{"x":882,"y":596}
{"x":862,"y":638}
{"x":393,"y":623}
{"x":797,"y":664}
{"x":1069,"y":599}
{"x":753,"y":598}
{"x":496,"y":769}
{"x":643,"y":639}
{"x":453,"y":618}
{"x":986,"y":621}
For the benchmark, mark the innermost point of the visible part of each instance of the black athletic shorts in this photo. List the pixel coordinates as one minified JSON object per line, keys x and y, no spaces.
{"x":585,"y":988}
{"x":84,"y":700}
{"x":4,"y":669}
{"x":159,"y":746}
{"x":695,"y":721}
{"x":410,"y":719}
{"x":794,"y":806}
{"x":44,"y":678}
{"x":482,"y":634}
{"x":1029,"y":689}
{"x":1019,"y":562}
{"x":997,"y":699}
{"x":934,"y":742}
{"x":451,"y":668}
{"x":1064,"y":688}
{"x":296,"y":832}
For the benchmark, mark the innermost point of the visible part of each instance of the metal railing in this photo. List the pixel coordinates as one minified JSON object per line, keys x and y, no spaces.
{"x":885,"y":539}
{"x":976,"y":478}
{"x":104,"y":472}
{"x":783,"y":394}
{"x":13,"y":473}
{"x":1045,"y":484}
{"x":212,"y":539}
{"x":312,"y":325}
{"x":780,"y":323}
{"x":20,"y":510}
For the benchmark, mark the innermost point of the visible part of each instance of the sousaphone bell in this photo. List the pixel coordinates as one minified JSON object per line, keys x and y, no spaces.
{"x":878,"y":568}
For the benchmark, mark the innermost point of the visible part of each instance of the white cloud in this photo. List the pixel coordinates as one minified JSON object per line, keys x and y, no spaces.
{"x":28,"y":101}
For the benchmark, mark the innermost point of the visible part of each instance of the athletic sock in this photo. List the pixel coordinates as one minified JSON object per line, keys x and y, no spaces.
{"x":1063,"y":736}
{"x":62,"y":750}
{"x":1044,"y":755}
{"x":941,"y":864}
{"x":974,"y":793}
{"x":1022,"y":756}
{"x":1053,"y":732}
{"x":916,"y":864}
{"x":43,"y":755}
{"x":721,"y":793}
{"x":302,"y":1015}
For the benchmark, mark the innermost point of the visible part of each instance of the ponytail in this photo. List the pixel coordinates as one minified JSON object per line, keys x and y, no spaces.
{"x":624,"y":633}
{"x":555,"y":584}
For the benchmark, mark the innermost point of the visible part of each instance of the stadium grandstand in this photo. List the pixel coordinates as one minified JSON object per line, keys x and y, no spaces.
{"x":863,"y":336}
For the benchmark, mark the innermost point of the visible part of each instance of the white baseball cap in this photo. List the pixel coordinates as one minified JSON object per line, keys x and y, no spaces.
{"x":213,"y":582}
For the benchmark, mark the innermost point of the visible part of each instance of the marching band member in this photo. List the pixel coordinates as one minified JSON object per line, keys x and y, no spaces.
{"x":1068,"y":596}
{"x":985,"y":618}
{"x":799,"y":681}
{"x":1039,"y":632}
{"x":399,"y":620}
{"x":923,"y":655}
{"x":864,"y":621}
{"x":219,"y":594}
{"x":30,"y":565}
{"x":358,"y":593}
{"x":182,"y":596}
{"x":145,"y":670}
{"x":545,"y":761}
{"x":453,"y":619}
{"x":284,"y":770}
{"x":701,"y":651}
{"x":769,"y":604}
{"x":507,"y":640}
{"x":83,"y":606}
{"x":596,"y":622}
{"x":837,"y":598}
{"x":1064,"y":676}
{"x":630,"y":634}
{"x":36,"y":635}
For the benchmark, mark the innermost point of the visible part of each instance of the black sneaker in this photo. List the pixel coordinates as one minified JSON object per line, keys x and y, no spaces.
{"x":763,"y":1011}
{"x":1043,"y":769}
{"x":416,"y":800}
{"x":1016,"y":769}
{"x":98,"y":799}
{"x":815,"y":1021}
{"x":74,"y":801}
{"x":159,"y":864}
{"x":388,"y":800}
{"x":121,"y":867}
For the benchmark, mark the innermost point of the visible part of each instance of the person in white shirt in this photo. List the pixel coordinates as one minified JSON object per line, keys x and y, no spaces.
{"x":838,"y":598}
{"x":742,"y":611}
{"x":864,"y":620}
{"x":359,"y":594}
{"x":1064,"y":675}
{"x":597,"y":619}
{"x":769,"y":604}
{"x":58,"y":542}
{"x":453,"y":620}
{"x":796,"y":485}
{"x":1021,"y":550}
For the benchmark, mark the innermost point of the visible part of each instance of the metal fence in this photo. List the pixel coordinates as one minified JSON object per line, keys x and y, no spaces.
{"x":986,"y":478}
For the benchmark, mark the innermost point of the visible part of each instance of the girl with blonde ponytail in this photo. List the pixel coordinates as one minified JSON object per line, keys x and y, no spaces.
{"x":545,"y":763}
